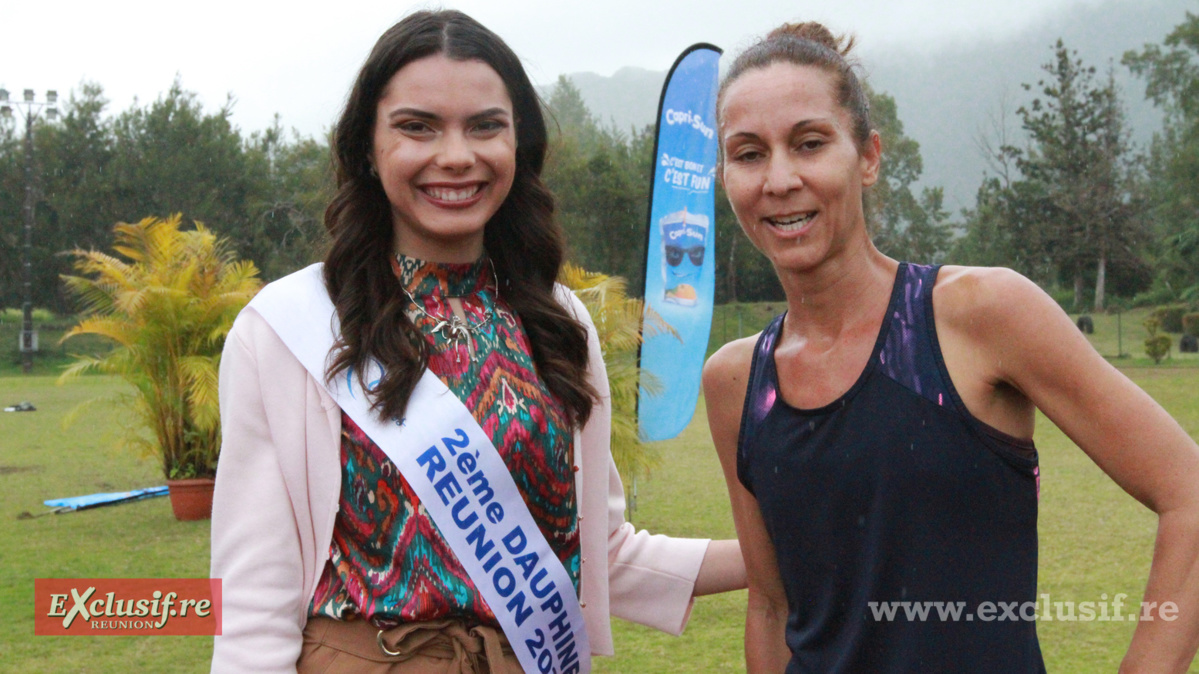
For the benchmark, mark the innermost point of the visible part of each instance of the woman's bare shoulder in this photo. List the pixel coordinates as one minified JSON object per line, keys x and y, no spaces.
{"x":726,"y":375}
{"x":983,"y":299}
{"x":730,"y":362}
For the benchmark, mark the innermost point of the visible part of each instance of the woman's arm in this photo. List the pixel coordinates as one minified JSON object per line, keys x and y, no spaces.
{"x":256,"y":549}
{"x":725,"y":379}
{"x":1030,"y":344}
{"x":723,"y":569}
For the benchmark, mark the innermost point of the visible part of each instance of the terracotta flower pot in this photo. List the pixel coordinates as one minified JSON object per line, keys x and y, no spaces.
{"x":191,"y":499}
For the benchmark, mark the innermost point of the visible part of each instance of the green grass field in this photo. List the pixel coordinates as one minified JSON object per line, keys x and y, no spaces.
{"x":39,"y":460}
{"x":1095,"y":540}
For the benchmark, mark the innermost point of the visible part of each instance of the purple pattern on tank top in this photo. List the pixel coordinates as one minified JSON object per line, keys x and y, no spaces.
{"x":902,"y":358}
{"x":766,"y":397}
{"x":907,"y":355}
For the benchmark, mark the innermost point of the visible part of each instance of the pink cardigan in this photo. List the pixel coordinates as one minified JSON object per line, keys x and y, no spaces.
{"x":277,"y":490}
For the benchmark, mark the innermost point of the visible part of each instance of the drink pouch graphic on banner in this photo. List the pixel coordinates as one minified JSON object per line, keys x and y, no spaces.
{"x":680,"y":277}
{"x":684,"y":238}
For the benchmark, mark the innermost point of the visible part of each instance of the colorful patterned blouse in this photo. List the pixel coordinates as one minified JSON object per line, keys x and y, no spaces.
{"x":388,"y":562}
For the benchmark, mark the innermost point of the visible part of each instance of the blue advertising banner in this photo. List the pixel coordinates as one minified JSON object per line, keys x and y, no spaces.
{"x":680,"y":269}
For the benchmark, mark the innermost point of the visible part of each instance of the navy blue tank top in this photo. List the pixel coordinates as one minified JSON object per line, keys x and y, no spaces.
{"x":905,"y":528}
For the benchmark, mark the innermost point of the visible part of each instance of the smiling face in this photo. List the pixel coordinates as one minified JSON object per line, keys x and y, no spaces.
{"x":445,"y":151}
{"x":791,"y":169}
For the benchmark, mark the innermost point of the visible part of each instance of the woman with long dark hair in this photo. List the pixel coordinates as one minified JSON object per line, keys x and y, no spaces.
{"x":877,"y":437}
{"x":355,"y":525}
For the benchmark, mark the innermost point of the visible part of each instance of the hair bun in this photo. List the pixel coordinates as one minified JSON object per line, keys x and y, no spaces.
{"x":813,"y":31}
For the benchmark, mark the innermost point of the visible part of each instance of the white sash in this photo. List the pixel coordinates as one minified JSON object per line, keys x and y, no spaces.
{"x":461,"y":480}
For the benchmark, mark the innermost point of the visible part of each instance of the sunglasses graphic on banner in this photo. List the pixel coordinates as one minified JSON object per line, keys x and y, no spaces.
{"x":674,"y":255}
{"x":684,"y":237}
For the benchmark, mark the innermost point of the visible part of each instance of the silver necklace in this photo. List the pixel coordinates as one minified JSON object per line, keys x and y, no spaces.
{"x":453,"y":328}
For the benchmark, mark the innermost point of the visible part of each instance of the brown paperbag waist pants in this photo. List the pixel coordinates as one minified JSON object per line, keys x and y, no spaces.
{"x":435,"y":647}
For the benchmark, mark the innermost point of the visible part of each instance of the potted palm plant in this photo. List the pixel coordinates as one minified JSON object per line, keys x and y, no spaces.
{"x":167,"y":299}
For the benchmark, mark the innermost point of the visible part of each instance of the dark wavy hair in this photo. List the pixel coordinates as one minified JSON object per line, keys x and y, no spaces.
{"x":522,"y":238}
{"x":809,"y":44}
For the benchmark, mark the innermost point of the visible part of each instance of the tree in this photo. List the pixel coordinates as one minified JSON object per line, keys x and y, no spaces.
{"x":600,"y":178}
{"x":1172,"y":83}
{"x":47,"y":231}
{"x":78,"y":154}
{"x":269,"y":190}
{"x":78,"y":203}
{"x":904,"y":226}
{"x":570,"y":118}
{"x":172,"y":156}
{"x":168,"y":306}
{"x":1000,"y":229}
{"x":287,"y":201}
{"x":1083,"y":181}
{"x":12,"y":191}
{"x":928,"y":234}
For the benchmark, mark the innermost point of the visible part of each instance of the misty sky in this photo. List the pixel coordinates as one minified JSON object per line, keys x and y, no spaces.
{"x":298,"y":59}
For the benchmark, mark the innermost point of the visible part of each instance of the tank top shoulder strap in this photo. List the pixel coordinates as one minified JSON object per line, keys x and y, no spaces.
{"x":760,"y":393}
{"x":910,"y":354}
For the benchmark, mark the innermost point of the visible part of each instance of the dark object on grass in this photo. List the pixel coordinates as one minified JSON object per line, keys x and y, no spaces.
{"x":1086,"y":325}
{"x":1189,"y":344}
{"x":21,"y":407}
{"x":1190,"y":324}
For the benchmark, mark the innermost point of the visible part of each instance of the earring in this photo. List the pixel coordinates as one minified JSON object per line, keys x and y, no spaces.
{"x":374,"y":173}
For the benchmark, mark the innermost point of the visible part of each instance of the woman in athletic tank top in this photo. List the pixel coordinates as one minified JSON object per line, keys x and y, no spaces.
{"x":877,"y":438}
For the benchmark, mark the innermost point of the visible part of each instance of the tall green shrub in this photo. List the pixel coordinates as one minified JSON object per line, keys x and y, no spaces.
{"x":1157,"y":346}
